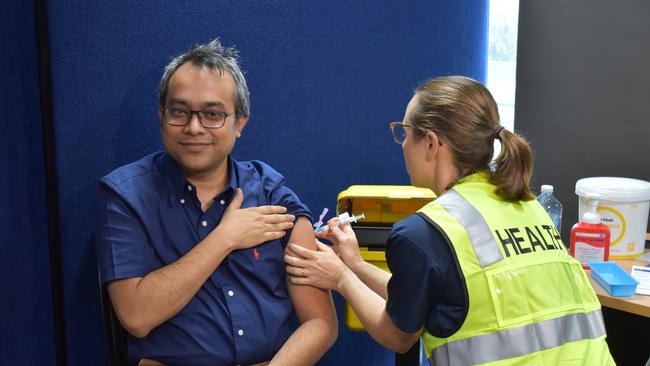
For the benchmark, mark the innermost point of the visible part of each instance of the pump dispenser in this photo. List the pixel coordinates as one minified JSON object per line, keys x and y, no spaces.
{"x":590,"y":238}
{"x":591,"y":216}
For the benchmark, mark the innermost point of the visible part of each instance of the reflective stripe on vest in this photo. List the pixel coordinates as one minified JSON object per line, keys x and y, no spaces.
{"x":520,"y":341}
{"x":486,"y":248}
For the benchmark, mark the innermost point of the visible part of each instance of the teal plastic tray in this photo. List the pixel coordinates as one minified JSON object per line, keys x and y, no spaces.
{"x":613,"y":278}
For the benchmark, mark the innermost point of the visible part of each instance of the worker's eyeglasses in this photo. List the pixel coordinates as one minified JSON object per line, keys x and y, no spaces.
{"x":399,"y":132}
{"x":209,"y":118}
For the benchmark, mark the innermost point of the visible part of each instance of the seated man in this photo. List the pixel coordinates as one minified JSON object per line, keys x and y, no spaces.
{"x":190,"y":241}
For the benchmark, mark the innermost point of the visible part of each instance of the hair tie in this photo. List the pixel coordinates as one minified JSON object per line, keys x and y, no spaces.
{"x":497,"y":132}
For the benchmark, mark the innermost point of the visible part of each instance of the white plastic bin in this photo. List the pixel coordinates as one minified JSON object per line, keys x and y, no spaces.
{"x":623,"y":205}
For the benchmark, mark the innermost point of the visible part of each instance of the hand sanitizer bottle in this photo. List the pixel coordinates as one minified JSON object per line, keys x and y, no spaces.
{"x":589,"y":237}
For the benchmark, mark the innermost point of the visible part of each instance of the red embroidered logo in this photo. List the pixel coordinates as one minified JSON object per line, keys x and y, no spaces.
{"x":256,"y":254}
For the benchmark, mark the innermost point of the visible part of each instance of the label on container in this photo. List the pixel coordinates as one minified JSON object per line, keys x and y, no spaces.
{"x":615,"y":221}
{"x":627,"y":224}
{"x":585,"y":252}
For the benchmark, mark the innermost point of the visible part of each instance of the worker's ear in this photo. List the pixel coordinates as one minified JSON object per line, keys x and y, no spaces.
{"x":432,"y":144}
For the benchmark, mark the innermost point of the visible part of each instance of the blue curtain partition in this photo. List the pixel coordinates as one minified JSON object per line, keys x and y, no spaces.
{"x":325,"y":79}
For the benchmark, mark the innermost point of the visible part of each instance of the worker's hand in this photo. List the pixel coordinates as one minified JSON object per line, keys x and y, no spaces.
{"x":344,"y":242}
{"x":247,"y":227}
{"x":320,"y":268}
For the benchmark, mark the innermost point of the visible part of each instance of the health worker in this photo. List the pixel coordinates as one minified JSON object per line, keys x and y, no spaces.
{"x":480,"y":273}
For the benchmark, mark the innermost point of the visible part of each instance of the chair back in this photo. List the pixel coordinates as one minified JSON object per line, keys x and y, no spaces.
{"x":114,"y":334}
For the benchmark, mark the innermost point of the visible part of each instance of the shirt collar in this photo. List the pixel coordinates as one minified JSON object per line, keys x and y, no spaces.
{"x":233,"y":175}
{"x":178,"y":184}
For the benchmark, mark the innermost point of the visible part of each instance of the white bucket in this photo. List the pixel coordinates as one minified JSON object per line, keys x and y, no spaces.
{"x":623,"y":206}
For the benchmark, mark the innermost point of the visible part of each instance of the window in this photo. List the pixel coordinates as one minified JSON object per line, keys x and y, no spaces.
{"x":502,"y":57}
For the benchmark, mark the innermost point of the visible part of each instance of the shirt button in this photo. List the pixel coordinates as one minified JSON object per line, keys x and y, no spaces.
{"x":240,"y":332}
{"x":204,"y":223}
{"x":231,"y":293}
{"x":182,"y":200}
{"x":189,"y":187}
{"x":222,"y":202}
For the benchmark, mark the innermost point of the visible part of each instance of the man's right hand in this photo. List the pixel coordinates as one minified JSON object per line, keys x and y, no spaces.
{"x":248,"y":227}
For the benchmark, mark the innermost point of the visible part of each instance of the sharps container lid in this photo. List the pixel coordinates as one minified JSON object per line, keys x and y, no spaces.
{"x":614,"y":189}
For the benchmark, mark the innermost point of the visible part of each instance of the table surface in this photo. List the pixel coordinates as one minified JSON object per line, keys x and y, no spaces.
{"x":637,"y":304}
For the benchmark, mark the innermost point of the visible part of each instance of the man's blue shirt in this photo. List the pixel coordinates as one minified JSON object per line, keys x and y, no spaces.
{"x":148,"y":216}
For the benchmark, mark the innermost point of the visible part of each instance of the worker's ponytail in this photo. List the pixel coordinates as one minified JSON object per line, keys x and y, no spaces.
{"x":464,"y":113}
{"x":513,"y":167}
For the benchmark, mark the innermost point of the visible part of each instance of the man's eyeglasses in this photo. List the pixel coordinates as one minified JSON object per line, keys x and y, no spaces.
{"x":399,"y":132}
{"x":209,"y":118}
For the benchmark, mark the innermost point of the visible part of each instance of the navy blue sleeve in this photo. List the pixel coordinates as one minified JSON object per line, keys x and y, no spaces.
{"x":425,"y":289}
{"x":283,"y":196}
{"x":123,"y":249}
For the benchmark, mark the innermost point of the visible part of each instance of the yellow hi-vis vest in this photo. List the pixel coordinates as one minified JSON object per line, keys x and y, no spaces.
{"x":530,"y":302}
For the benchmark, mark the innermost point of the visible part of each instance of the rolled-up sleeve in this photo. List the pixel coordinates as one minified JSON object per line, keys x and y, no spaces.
{"x":123,"y":249}
{"x":283,"y":196}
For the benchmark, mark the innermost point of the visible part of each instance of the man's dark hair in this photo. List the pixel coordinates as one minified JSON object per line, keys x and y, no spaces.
{"x":215,"y":57}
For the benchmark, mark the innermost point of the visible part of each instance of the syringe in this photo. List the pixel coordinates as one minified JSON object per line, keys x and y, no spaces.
{"x":344,"y":218}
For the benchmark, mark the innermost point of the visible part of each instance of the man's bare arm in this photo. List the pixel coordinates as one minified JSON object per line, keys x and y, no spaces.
{"x":318,"y":324}
{"x":143,"y":303}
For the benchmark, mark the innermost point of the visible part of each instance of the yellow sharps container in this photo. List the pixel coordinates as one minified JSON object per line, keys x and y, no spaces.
{"x":382,"y":206}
